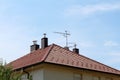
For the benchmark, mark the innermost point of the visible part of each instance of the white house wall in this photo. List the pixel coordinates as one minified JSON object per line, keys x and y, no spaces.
{"x":52,"y":72}
{"x":64,"y":73}
{"x":56,"y":74}
{"x":37,"y":74}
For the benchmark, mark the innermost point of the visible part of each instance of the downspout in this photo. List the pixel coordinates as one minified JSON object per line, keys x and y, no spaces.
{"x":28,"y":74}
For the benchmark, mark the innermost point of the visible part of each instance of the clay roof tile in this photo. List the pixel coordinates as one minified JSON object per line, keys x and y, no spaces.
{"x":58,"y":55}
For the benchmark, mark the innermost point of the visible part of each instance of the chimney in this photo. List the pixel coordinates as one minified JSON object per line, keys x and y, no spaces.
{"x":35,"y":46}
{"x":76,"y":50}
{"x":44,"y":41}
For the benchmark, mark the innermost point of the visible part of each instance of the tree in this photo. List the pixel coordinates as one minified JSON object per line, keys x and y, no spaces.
{"x":6,"y":73}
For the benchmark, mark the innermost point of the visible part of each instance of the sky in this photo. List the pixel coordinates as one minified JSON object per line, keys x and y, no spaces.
{"x":94,"y":25}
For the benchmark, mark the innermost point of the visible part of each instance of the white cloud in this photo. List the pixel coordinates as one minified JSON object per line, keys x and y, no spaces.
{"x":90,"y":9}
{"x":110,"y":43}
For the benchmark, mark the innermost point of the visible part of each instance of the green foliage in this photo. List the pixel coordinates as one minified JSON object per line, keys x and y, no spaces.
{"x":6,"y":73}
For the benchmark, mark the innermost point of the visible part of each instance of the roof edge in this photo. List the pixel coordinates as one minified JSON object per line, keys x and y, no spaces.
{"x":82,"y":68}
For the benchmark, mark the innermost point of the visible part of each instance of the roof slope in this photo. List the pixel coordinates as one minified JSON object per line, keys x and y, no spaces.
{"x":58,"y":55}
{"x":30,"y":59}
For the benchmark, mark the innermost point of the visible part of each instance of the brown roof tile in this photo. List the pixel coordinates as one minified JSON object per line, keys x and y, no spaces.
{"x":31,"y":58}
{"x":58,"y":55}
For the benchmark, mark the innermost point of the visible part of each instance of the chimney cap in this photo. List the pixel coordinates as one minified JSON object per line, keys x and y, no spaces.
{"x":35,"y":42}
{"x":44,"y":35}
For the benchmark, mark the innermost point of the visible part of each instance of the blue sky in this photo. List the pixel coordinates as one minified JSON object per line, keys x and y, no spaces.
{"x":94,"y":26}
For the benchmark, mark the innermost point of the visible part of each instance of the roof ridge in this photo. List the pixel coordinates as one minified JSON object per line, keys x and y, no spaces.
{"x":45,"y":56}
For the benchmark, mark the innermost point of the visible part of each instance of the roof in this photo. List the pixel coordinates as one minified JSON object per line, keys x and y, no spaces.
{"x":58,"y":55}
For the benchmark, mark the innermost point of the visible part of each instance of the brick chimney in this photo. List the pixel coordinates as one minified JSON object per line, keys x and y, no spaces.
{"x":75,"y":50}
{"x":35,"y":46}
{"x":44,"y":41}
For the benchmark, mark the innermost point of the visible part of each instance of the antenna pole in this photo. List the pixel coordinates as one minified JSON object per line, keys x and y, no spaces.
{"x":65,"y":35}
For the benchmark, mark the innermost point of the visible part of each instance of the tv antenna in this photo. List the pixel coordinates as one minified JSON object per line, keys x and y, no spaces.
{"x":74,"y":44}
{"x":65,"y":34}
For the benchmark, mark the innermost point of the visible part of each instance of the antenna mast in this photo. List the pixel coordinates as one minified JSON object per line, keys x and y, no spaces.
{"x":65,"y":34}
